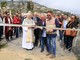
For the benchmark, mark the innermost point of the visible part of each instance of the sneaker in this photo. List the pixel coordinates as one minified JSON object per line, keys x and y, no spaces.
{"x":52,"y":56}
{"x":48,"y":54}
{"x":42,"y":50}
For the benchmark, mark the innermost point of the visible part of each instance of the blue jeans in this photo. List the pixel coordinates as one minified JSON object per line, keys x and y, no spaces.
{"x":51,"y":44}
{"x":17,"y":31}
{"x":61,"y":34}
{"x":43,"y":43}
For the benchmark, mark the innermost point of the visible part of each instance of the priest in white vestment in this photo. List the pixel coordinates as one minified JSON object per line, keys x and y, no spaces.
{"x":28,"y":38}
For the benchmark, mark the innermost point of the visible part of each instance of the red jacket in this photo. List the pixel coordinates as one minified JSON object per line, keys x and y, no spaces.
{"x":16,"y":20}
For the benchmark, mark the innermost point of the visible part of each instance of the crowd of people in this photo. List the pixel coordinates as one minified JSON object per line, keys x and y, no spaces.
{"x":45,"y":35}
{"x":10,"y":31}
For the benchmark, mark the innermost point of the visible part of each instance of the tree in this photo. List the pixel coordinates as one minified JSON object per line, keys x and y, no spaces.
{"x":3,"y":4}
{"x":30,"y":5}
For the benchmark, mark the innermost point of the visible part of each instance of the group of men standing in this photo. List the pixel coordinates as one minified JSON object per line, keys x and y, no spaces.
{"x":44,"y":35}
{"x":8,"y":30}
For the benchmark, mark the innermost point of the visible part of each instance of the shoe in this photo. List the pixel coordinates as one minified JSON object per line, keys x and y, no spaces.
{"x":48,"y":54}
{"x":29,"y":49}
{"x":7,"y":39}
{"x":0,"y":39}
{"x":11,"y":38}
{"x":42,"y":50}
{"x":52,"y":56}
{"x":69,"y":50}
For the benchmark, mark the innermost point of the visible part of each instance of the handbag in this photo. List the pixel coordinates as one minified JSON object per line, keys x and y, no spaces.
{"x":71,"y":33}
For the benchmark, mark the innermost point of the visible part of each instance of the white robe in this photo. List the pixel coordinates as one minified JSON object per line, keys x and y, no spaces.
{"x":27,"y":39}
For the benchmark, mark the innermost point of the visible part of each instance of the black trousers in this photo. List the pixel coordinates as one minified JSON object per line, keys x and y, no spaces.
{"x":9,"y":34}
{"x":1,"y":31}
{"x":68,"y":40}
{"x":65,"y":40}
{"x":37,"y":34}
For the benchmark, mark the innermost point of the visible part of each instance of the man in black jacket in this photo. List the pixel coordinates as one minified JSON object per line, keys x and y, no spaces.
{"x":37,"y":31}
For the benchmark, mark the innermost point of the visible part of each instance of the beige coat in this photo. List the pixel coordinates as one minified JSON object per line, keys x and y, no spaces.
{"x":51,"y":25}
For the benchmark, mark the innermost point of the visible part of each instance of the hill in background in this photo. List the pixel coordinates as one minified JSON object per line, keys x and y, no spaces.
{"x":37,"y":7}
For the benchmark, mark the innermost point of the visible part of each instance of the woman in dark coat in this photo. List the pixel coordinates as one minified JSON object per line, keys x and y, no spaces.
{"x":69,"y":39}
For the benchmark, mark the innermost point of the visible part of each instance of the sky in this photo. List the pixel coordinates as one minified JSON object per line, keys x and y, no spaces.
{"x":72,"y":6}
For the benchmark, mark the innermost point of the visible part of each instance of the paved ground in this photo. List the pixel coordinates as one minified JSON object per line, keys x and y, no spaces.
{"x":14,"y":51}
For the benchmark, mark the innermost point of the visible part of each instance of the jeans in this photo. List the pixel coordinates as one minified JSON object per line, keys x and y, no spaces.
{"x":43,"y":43}
{"x":61,"y":34}
{"x":17,"y":31}
{"x":51,"y":44}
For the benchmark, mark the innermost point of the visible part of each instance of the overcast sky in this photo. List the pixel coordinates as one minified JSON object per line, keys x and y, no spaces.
{"x":72,"y":6}
{"x":66,"y":5}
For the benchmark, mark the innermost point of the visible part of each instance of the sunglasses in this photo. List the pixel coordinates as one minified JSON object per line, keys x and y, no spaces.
{"x":48,"y":15}
{"x":72,"y":18}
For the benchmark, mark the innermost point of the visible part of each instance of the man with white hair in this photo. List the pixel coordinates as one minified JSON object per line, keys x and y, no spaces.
{"x":43,"y":39}
{"x":27,"y":39}
{"x":37,"y":31}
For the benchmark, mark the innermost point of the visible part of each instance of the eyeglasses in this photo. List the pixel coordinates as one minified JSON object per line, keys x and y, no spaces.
{"x":48,"y":15}
{"x":72,"y":18}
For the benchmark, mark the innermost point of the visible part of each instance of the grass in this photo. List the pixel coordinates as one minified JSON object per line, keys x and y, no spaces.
{"x":3,"y":45}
